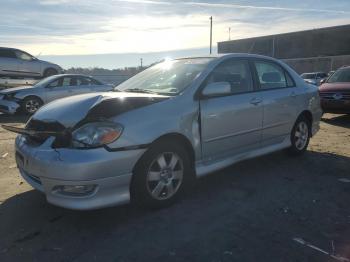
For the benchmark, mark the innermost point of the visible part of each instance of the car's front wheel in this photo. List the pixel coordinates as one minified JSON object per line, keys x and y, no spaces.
{"x":31,"y":104}
{"x":161,"y":175}
{"x":300,"y":136}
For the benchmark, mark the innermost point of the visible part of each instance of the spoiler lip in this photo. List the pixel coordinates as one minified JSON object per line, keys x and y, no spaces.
{"x":29,"y":132}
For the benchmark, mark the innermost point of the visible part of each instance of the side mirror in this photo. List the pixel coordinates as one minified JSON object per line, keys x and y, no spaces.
{"x":323,"y":81}
{"x":217,"y":89}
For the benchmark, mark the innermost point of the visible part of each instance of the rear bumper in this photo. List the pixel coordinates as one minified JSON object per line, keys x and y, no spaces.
{"x":45,"y":169}
{"x":8,"y":107}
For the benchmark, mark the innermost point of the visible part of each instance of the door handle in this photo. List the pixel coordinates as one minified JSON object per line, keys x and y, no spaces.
{"x":255,"y":101}
{"x":293,"y":94}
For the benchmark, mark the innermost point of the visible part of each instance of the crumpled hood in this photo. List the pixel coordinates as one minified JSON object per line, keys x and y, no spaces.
{"x":15,"y":89}
{"x":72,"y":110}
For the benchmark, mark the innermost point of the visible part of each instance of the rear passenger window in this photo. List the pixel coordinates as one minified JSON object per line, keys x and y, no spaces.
{"x":236,"y":73}
{"x":272,"y":75}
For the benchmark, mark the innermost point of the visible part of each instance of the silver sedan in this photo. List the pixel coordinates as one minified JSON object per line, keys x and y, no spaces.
{"x":30,"y":98}
{"x":177,"y":120}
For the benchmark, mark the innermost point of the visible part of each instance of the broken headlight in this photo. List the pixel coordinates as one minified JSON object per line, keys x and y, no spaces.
{"x":96,"y":134}
{"x":10,"y":97}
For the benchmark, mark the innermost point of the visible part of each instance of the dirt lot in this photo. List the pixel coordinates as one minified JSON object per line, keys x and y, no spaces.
{"x":251,"y":211}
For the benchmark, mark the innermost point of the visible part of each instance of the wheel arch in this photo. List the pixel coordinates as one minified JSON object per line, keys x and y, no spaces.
{"x":178,"y":138}
{"x":308,"y":115}
{"x":34,"y":96}
{"x":49,"y":68}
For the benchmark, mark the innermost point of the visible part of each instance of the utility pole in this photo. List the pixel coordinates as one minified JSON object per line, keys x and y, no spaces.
{"x":229,"y":33}
{"x":211,"y":32}
{"x":141,"y":62}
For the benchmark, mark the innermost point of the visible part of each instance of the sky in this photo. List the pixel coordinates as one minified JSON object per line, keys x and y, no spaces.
{"x":117,"y":33}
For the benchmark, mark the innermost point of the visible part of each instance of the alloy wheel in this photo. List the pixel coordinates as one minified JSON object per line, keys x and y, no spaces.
{"x":165,"y":176}
{"x":301,"y":135}
{"x":32,"y":106}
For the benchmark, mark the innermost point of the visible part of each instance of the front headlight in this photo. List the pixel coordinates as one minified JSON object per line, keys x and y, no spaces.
{"x":96,"y":134}
{"x":10,"y":96}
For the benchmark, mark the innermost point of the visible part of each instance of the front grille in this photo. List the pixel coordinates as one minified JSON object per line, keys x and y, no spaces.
{"x":333,"y":95}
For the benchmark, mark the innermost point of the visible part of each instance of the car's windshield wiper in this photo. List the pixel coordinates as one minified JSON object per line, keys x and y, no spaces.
{"x":139,"y":90}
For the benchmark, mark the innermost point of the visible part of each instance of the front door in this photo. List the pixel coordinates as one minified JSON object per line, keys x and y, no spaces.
{"x":61,"y":87}
{"x":231,"y":124}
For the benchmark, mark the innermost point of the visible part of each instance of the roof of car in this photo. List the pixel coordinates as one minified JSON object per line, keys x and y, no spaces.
{"x":62,"y":75}
{"x":228,"y":55}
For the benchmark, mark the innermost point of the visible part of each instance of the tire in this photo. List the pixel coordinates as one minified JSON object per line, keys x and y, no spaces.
{"x":50,"y":72}
{"x":300,"y":136}
{"x":161,"y":175}
{"x":31,"y":104}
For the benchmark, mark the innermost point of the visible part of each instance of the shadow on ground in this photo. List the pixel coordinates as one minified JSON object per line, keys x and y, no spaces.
{"x":17,"y":118}
{"x":241,"y":213}
{"x":341,"y":120}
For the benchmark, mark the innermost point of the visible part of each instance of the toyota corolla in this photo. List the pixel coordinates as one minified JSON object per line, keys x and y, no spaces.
{"x":176,"y":120}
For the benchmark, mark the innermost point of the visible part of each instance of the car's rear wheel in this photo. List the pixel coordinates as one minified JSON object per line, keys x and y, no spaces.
{"x":50,"y":72}
{"x":300,"y":136}
{"x":31,"y":104}
{"x":161,"y":175}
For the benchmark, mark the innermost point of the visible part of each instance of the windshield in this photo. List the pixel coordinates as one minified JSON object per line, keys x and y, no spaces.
{"x":308,"y":76}
{"x":170,"y":77}
{"x":341,"y":75}
{"x":46,"y":80}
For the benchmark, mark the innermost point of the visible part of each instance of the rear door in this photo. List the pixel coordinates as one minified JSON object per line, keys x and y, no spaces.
{"x":231,"y":124}
{"x":8,"y":62}
{"x":279,"y":94}
{"x":27,"y":64}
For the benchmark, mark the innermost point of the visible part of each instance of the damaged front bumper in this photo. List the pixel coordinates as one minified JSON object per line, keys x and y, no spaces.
{"x":97,"y":177}
{"x":8,"y":107}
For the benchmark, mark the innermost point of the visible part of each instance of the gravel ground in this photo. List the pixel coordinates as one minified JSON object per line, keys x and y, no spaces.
{"x":251,"y":211}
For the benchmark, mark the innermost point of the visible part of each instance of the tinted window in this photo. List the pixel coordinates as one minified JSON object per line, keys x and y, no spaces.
{"x":236,"y":73}
{"x":95,"y":82}
{"x":23,"y":56}
{"x":270,"y":75}
{"x":341,"y":75}
{"x":56,"y":83}
{"x":64,"y":81}
{"x":87,"y":81}
{"x":7,"y":53}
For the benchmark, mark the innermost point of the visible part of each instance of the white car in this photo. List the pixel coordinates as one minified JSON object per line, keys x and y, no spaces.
{"x":17,"y":63}
{"x":31,"y":98}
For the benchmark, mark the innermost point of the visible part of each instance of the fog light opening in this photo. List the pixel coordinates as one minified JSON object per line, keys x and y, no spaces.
{"x":76,"y":190}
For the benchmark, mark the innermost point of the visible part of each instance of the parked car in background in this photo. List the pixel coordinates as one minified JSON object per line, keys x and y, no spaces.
{"x":30,"y":98}
{"x":314,"y":78}
{"x":330,"y":73}
{"x":17,"y":63}
{"x":335,"y":92}
{"x":175,"y":120}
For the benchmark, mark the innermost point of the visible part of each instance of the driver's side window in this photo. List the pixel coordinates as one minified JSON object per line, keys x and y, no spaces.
{"x":236,"y":73}
{"x":56,"y":83}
